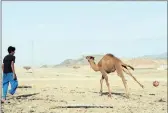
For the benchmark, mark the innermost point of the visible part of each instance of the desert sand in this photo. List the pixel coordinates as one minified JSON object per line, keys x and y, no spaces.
{"x":50,"y":87}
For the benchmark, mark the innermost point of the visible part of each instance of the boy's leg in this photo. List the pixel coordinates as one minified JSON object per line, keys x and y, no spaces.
{"x":14,"y":84}
{"x":5,"y":85}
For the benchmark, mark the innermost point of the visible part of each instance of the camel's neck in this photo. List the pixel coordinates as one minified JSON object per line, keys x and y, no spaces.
{"x":94,"y":66}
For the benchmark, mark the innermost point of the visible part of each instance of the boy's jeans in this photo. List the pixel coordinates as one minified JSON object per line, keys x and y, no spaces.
{"x":8,"y":77}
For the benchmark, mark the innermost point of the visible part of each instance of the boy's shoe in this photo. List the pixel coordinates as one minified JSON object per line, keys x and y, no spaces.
{"x":3,"y":100}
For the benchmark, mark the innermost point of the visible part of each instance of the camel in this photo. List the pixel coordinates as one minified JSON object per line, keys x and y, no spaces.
{"x":108,"y":64}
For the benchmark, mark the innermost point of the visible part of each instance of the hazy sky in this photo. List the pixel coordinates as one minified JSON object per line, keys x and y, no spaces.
{"x":62,"y":30}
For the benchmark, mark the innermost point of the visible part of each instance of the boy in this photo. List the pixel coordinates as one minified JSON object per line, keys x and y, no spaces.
{"x":9,"y":73}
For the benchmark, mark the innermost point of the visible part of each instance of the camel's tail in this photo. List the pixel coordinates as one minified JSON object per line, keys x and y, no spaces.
{"x":125,"y":66}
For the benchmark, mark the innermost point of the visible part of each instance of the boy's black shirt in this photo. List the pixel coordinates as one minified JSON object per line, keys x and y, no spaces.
{"x":7,"y":63}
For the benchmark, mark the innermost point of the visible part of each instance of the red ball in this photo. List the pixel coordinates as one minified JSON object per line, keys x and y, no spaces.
{"x":155,"y":83}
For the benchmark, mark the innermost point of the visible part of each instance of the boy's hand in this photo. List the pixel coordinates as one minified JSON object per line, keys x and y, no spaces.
{"x":14,"y":76}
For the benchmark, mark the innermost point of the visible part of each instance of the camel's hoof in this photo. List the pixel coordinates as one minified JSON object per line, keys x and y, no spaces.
{"x":142,"y":86}
{"x":101,"y":93}
{"x":127,"y":96}
{"x":109,"y":95}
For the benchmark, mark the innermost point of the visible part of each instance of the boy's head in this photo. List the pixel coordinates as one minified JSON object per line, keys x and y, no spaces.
{"x":11,"y":50}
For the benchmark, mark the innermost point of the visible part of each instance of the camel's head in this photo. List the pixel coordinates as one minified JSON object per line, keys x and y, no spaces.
{"x":89,"y":58}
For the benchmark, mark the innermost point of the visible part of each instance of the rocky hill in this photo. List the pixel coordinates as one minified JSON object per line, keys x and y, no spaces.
{"x":147,"y":61}
{"x":158,"y":56}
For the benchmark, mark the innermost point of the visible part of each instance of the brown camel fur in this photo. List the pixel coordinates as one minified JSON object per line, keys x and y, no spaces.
{"x":109,"y":63}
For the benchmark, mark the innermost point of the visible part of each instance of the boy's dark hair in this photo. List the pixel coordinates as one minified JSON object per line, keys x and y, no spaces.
{"x":11,"y":49}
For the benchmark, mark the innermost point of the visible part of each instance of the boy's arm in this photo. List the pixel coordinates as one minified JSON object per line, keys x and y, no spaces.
{"x":13,"y":70}
{"x":12,"y":65}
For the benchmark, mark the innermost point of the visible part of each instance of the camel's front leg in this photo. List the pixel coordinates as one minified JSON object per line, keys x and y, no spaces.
{"x":101,"y":85}
{"x":108,"y":85}
{"x":104,"y":74}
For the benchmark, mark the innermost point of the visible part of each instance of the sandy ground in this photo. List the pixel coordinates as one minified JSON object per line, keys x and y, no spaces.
{"x":67,"y":86}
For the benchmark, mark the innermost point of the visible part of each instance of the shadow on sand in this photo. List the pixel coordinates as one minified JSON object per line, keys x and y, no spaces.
{"x":24,"y":96}
{"x":27,"y":95}
{"x":106,"y":93}
{"x":24,"y":87}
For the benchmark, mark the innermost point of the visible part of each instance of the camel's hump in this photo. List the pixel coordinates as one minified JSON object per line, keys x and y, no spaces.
{"x":109,"y":54}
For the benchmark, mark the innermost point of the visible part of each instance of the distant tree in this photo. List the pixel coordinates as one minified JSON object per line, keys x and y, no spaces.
{"x":76,"y":67}
{"x":27,"y":67}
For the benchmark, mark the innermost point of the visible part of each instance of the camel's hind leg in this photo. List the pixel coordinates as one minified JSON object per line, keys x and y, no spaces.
{"x":129,"y":73}
{"x":101,"y":85}
{"x":120,"y":73}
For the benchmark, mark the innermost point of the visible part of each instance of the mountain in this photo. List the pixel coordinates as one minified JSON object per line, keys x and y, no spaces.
{"x":82,"y":60}
{"x":158,"y":56}
{"x":79,"y":61}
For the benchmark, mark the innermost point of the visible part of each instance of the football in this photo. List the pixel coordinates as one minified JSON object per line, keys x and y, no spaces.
{"x":155,"y":83}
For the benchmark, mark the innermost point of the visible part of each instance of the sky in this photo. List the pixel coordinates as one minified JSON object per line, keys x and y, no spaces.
{"x":50,"y":32}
